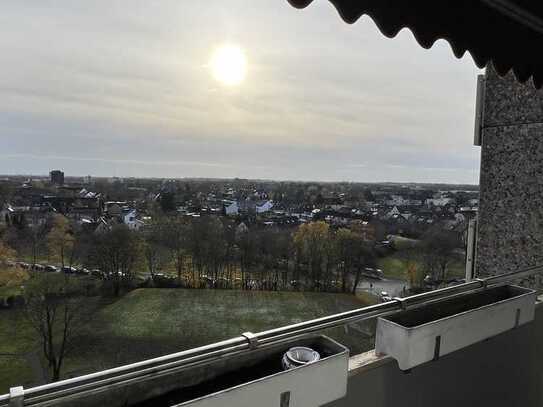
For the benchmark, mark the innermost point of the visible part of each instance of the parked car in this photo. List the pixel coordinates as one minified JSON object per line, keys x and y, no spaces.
{"x":69,"y":270}
{"x":384,"y":296}
{"x":38,"y":267}
{"x":51,"y":269}
{"x":370,"y":272}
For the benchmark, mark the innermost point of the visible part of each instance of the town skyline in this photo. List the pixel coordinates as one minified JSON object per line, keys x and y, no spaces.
{"x":72,"y":177}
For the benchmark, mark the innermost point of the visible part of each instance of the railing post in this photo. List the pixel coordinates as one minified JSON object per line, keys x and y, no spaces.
{"x":16,"y":397}
{"x":252,"y":339}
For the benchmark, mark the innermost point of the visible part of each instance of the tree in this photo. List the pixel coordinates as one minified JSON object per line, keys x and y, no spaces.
{"x":55,"y":311}
{"x":438,"y":246}
{"x":154,"y":251}
{"x":60,"y":239}
{"x":312,"y":240}
{"x":6,"y":253}
{"x":413,"y":258}
{"x":214,"y":244}
{"x":346,"y":242}
{"x":167,"y":201}
{"x":10,"y":276}
{"x":27,"y":240}
{"x":174,"y":237}
{"x":247,"y":250}
{"x":364,"y":256}
{"x":116,"y":253}
{"x":207,"y":246}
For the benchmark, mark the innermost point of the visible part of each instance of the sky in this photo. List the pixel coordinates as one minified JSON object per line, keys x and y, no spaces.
{"x":125,"y":88}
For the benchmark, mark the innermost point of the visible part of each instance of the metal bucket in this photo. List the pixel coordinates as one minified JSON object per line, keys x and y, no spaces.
{"x":299,"y":356}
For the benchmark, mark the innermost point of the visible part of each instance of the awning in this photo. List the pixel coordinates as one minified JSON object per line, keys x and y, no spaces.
{"x":506,"y":33}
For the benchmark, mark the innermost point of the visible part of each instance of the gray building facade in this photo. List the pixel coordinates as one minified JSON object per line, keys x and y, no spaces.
{"x":510,"y":231}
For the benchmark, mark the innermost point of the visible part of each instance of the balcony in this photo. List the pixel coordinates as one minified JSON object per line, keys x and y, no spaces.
{"x":500,"y":368}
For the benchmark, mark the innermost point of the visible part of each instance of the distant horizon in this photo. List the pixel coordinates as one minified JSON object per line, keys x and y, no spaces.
{"x":240,"y":178}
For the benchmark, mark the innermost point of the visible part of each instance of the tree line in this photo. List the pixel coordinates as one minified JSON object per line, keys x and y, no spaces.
{"x":216,"y":252}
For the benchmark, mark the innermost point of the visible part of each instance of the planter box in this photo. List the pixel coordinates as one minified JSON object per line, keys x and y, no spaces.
{"x":266,"y":384}
{"x":417,"y":336}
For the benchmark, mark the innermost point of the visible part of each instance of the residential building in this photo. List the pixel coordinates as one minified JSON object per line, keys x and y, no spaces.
{"x":231,"y":208}
{"x":265,"y":206}
{"x":57,"y":177}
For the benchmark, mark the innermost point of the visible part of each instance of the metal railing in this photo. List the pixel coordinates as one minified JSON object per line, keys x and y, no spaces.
{"x":176,"y":362}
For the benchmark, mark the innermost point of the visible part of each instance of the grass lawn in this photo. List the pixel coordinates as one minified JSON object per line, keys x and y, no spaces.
{"x":395,"y":267}
{"x":367,"y":297}
{"x":402,"y":243}
{"x":151,"y":322}
{"x":16,"y":342}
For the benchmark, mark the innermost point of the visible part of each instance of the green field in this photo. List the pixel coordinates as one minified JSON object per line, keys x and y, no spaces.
{"x":394,"y":266}
{"x":16,"y":351}
{"x":152,"y":322}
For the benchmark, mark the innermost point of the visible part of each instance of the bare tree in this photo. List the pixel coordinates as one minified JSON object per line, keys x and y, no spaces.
{"x":313,"y":239}
{"x":116,"y":253}
{"x":346,"y":243}
{"x":55,"y":311}
{"x":438,"y":246}
{"x":60,"y":239}
{"x":363,"y":256}
{"x":154,"y":250}
{"x":413,"y":259}
{"x":173,"y":234}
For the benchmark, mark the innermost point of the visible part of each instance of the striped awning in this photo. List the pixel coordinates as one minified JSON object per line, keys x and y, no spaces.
{"x":506,"y":33}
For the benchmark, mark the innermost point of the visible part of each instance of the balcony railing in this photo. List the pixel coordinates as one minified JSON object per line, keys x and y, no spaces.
{"x":79,"y":387}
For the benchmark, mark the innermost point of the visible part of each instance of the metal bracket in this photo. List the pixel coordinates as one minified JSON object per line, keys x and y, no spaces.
{"x":252,"y":339}
{"x":285,"y":399}
{"x":483,"y":282}
{"x":402,"y":302}
{"x":437,"y":347}
{"x":16,"y":397}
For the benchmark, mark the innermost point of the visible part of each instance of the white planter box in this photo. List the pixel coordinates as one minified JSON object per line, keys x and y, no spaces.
{"x":417,"y":336}
{"x":311,"y":385}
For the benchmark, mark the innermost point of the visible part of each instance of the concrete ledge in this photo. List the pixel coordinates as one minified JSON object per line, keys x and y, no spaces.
{"x":367,"y":361}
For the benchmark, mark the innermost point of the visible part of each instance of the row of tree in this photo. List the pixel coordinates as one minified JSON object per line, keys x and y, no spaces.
{"x":215,"y":252}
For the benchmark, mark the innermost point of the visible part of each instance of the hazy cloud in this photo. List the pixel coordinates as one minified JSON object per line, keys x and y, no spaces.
{"x":123,"y":88}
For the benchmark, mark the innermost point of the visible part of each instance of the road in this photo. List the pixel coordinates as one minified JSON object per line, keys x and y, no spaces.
{"x":393,"y":287}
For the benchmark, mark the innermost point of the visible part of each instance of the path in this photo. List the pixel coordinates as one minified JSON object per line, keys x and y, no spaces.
{"x":393,"y":287}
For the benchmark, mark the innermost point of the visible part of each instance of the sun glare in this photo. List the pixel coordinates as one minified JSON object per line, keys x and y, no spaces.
{"x":229,"y":65}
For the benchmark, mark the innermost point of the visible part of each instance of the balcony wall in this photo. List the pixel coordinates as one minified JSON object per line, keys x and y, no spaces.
{"x":503,"y":371}
{"x":510,"y":234}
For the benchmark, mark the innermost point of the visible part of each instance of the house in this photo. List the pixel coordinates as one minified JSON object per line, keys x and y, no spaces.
{"x":130,"y":220}
{"x":114,"y":208}
{"x":30,"y":216}
{"x":439,"y":201}
{"x":231,"y":208}
{"x":396,"y":200}
{"x":394,"y":212}
{"x":5,"y":215}
{"x":265,"y":206}
{"x":102,"y":226}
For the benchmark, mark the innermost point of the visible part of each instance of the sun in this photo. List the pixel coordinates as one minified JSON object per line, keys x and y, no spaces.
{"x":229,"y":65}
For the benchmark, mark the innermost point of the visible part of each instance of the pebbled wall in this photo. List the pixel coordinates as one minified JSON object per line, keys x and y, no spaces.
{"x":510,"y":234}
